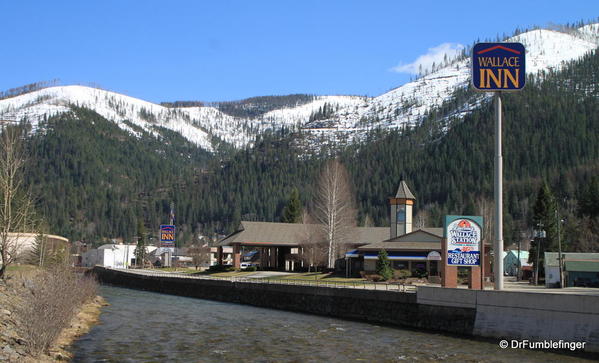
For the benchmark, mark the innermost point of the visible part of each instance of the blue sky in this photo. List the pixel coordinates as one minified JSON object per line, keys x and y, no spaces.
{"x":227,"y":50}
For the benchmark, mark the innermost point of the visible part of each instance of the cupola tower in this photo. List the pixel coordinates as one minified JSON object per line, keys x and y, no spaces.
{"x":401,"y":210}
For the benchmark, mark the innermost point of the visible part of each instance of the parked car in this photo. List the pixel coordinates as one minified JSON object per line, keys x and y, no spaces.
{"x":248,"y":266}
{"x":583,"y":282}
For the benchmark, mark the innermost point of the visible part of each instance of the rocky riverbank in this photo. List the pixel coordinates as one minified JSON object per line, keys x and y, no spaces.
{"x":14,"y":348}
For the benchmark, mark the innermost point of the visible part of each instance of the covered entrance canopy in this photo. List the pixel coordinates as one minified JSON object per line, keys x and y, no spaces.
{"x":279,"y":244}
{"x":276,"y":243}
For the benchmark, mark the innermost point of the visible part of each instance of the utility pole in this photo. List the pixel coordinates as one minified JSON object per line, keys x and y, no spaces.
{"x":519,"y":261}
{"x":498,"y":270}
{"x":559,"y":246}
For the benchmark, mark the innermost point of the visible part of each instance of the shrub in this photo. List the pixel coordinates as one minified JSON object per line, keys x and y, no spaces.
{"x":220,"y":268}
{"x":250,"y":268}
{"x":401,"y":274}
{"x":47,"y":302}
{"x":383,"y":266}
{"x":420,"y":274}
{"x":374,"y":277}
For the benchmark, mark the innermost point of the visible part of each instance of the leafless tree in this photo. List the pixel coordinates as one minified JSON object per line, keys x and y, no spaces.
{"x":484,"y":208}
{"x":45,"y":303}
{"x":16,"y":205}
{"x":368,"y":222}
{"x":313,"y":246}
{"x":200,"y":255}
{"x":421,"y":219}
{"x":334,"y":208}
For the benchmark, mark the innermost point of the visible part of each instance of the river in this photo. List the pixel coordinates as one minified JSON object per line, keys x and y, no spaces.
{"x":141,"y":326}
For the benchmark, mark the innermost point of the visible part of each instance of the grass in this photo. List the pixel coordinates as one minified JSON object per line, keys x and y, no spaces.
{"x":193,"y":271}
{"x":227,"y":273}
{"x":320,"y":277}
{"x":20,"y":270}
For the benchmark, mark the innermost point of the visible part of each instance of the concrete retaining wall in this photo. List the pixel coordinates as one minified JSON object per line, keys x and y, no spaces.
{"x":524,"y":315}
{"x":382,"y":307}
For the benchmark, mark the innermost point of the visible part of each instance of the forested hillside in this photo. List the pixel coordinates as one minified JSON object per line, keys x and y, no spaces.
{"x":551,"y":132}
{"x":258,"y":106}
{"x":94,"y":180}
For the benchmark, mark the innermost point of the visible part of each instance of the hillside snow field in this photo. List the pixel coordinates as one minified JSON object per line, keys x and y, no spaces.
{"x":351,"y":115}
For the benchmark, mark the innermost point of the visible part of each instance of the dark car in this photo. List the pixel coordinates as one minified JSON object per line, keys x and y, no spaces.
{"x":583,"y":282}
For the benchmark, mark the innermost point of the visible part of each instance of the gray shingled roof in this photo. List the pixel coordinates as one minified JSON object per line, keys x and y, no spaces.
{"x":292,"y":234}
{"x":420,"y":239}
{"x":403,"y":191}
{"x":366,"y":235}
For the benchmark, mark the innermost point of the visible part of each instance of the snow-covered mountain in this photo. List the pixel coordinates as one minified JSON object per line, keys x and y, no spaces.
{"x":545,"y":50}
{"x":348,"y":116}
{"x":199,"y":125}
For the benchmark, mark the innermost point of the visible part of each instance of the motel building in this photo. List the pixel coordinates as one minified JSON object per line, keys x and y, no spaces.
{"x":417,"y":250}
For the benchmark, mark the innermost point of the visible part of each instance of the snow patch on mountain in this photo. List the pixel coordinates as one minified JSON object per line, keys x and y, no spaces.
{"x":301,"y":114}
{"x":348,"y":117}
{"x":199,"y":125}
{"x":116,"y":107}
{"x":406,"y":105}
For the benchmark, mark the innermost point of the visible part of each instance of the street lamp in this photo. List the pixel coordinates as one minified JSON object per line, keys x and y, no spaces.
{"x":539,"y":235}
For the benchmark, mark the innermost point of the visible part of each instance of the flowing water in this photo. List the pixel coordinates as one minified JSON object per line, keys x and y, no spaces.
{"x":142,"y":326}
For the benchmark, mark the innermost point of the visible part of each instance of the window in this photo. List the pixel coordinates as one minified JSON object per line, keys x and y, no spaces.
{"x":400,"y":265}
{"x":401,"y":214}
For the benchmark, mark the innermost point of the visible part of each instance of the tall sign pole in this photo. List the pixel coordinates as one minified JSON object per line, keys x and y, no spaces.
{"x":498,"y":270}
{"x":498,"y":67}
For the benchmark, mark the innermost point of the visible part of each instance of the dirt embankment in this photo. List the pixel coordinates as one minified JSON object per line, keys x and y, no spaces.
{"x":14,"y":348}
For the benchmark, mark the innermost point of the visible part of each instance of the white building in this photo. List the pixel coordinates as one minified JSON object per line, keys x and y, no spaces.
{"x":20,"y":244}
{"x":112,"y":255}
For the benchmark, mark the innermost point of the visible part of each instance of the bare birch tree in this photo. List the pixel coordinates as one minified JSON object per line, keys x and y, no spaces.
{"x":200,"y":255}
{"x":16,"y":206}
{"x":485,"y":208}
{"x":313,"y":246}
{"x":334,"y":208}
{"x":421,"y":219}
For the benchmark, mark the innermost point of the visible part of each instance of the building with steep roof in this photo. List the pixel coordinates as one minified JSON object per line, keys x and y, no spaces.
{"x":516,"y":262}
{"x":279,"y":243}
{"x":418,"y":251}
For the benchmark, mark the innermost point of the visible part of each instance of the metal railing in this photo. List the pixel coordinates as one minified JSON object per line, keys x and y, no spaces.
{"x":365,"y":285}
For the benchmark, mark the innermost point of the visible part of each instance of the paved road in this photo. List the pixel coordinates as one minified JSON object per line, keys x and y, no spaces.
{"x":510,"y":284}
{"x":263,"y":274}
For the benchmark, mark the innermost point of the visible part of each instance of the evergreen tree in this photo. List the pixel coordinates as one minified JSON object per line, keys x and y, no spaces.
{"x":544,"y":219}
{"x":588,"y":203}
{"x":383,"y":266}
{"x":544,"y":215}
{"x":140,"y":249}
{"x":292,"y":213}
